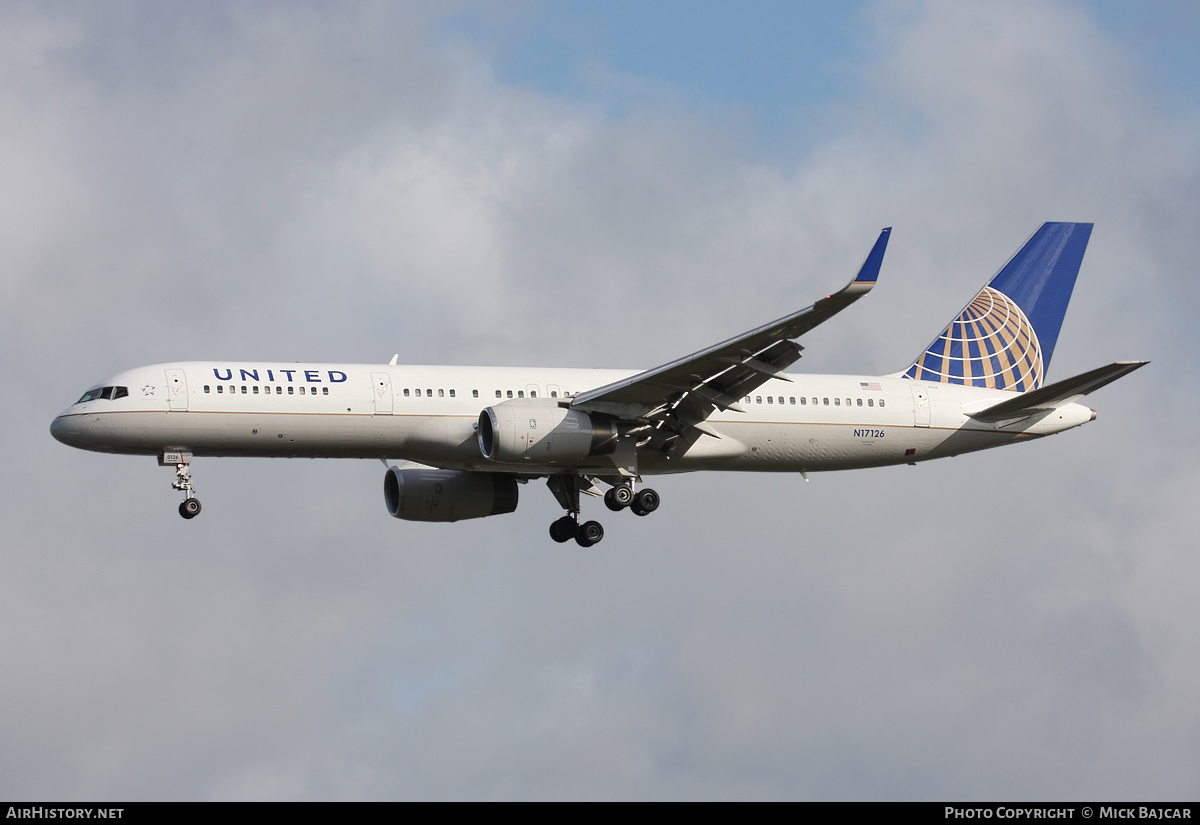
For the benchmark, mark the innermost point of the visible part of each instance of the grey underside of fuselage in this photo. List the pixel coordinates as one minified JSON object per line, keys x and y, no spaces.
{"x":449,"y":441}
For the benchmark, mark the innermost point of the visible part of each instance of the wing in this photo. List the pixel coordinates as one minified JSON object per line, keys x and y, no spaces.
{"x":674,"y":400}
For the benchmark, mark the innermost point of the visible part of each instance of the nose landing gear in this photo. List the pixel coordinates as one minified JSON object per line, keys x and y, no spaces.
{"x":189,"y":508}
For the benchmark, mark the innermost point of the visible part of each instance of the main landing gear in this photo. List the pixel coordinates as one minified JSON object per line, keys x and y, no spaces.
{"x":642,"y":503}
{"x":568,"y":527}
{"x":566,"y":489}
{"x":189,"y":508}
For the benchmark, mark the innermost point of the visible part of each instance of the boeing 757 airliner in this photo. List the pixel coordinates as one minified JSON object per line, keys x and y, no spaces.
{"x":470,"y":435}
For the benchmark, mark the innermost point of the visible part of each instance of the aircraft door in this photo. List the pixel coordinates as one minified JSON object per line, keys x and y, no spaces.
{"x":920,"y":405}
{"x":382,"y":390}
{"x":177,"y":391}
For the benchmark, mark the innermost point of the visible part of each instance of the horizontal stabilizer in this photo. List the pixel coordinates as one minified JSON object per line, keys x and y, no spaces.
{"x":1059,"y":393}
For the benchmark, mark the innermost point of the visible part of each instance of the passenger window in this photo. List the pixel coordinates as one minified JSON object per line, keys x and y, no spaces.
{"x":497,"y":393}
{"x":747,"y":400}
{"x":267,"y":389}
{"x":428,"y":393}
{"x":256,"y":389}
{"x":520,"y":393}
{"x":803,"y":401}
{"x":860,"y":402}
{"x":758,"y":399}
{"x":826,"y":402}
{"x":243,"y":389}
{"x":781,"y":400}
{"x":324,"y":390}
{"x":441,"y":393}
{"x":220,"y":388}
{"x":837,"y":402}
{"x":279,"y":390}
{"x":302,"y":390}
{"x":474,"y":393}
{"x":881,"y":402}
{"x":418,"y":391}
{"x":533,"y":393}
{"x":510,"y":393}
{"x":291,"y":390}
{"x":792,"y":400}
{"x":554,"y":393}
{"x":770,"y":399}
{"x":870,"y":402}
{"x":451,"y":393}
{"x":406,"y":392}
{"x":206,"y":389}
{"x":847,"y":402}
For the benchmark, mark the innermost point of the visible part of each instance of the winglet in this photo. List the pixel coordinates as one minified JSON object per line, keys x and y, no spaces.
{"x":869,"y":273}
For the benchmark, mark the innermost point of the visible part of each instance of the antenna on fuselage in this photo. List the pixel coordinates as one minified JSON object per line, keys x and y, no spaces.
{"x":395,"y":358}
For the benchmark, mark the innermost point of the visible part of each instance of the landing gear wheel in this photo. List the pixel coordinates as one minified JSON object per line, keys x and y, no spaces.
{"x":189,"y":507}
{"x":618,"y":498}
{"x":645,"y":502}
{"x":564,"y":529}
{"x":590,"y":532}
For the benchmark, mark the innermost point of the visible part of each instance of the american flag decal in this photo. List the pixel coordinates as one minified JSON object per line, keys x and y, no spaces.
{"x":870,"y":385}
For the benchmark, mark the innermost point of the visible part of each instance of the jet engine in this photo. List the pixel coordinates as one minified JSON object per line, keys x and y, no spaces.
{"x":542,"y":433}
{"x":447,"y":495}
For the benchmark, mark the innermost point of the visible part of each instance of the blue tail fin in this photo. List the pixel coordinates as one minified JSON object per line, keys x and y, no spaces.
{"x":1004,"y":338}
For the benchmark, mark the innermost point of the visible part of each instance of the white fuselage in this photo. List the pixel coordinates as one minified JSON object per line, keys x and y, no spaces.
{"x":429,"y":415}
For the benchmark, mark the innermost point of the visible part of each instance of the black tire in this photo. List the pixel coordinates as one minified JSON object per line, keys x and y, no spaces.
{"x":610,"y":501}
{"x":590,"y":532}
{"x":646,"y":502}
{"x":189,"y":507}
{"x":563,"y":529}
{"x":623,"y":495}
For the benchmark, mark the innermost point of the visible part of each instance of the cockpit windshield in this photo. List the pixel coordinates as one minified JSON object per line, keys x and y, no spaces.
{"x":106,"y":393}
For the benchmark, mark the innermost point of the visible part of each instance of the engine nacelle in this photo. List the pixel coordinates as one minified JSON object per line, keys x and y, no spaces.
{"x":447,"y":495}
{"x":542,"y":433}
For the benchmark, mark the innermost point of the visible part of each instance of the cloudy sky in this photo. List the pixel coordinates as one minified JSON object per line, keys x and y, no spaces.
{"x":587,"y":184}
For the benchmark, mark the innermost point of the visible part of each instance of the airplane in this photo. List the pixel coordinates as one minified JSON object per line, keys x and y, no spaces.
{"x":470,"y":435}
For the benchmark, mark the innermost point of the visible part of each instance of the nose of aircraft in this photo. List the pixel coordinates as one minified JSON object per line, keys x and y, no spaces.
{"x":65,"y":428}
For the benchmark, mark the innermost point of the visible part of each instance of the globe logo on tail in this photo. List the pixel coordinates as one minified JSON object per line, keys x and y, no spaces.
{"x":991,"y":344}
